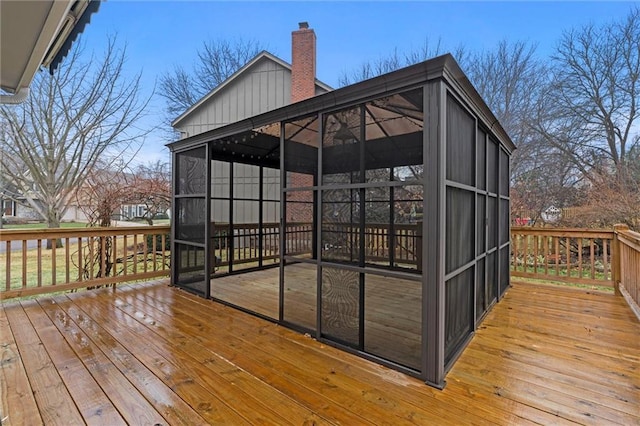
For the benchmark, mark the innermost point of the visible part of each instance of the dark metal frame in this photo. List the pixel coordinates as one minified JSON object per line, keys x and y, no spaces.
{"x":439,"y":78}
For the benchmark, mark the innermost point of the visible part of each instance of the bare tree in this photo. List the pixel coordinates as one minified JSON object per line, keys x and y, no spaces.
{"x":553,"y":182}
{"x":217,"y":60}
{"x":396,"y":60}
{"x":106,"y":188}
{"x":82,"y":113}
{"x":511,"y":78}
{"x":591,"y":110}
{"x":613,"y":197}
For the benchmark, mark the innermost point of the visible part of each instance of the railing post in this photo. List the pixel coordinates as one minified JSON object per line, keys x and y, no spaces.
{"x":418,"y":245}
{"x":616,"y":257}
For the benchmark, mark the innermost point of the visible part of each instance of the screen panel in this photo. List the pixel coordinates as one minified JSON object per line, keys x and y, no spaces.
{"x":340,"y":225}
{"x":191,"y":172}
{"x":492,"y":277}
{"x":190,"y":219}
{"x":458,"y":311}
{"x":492,"y":166}
{"x":246,"y":181}
{"x":481,"y":294}
{"x":393,"y":319}
{"x":481,"y":228}
{"x":504,"y":173}
{"x":301,"y":152}
{"x":341,"y":305}
{"x":504,"y":269}
{"x":460,"y":230}
{"x":481,"y":159}
{"x":190,"y":268}
{"x":341,"y":140}
{"x":461,"y":144}
{"x":299,"y":230}
{"x":300,"y":294}
{"x":220,"y":179}
{"x":504,"y":221}
{"x":492,"y":221}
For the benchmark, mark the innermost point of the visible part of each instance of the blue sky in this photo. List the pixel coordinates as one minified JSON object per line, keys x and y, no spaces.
{"x":160,"y":34}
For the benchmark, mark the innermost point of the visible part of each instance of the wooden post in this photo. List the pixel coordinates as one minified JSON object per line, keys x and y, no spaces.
{"x":418,"y":245}
{"x":212,"y":249}
{"x":616,"y":257}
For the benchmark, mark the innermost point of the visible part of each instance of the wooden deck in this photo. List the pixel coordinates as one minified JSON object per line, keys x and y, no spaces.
{"x":152,"y":354}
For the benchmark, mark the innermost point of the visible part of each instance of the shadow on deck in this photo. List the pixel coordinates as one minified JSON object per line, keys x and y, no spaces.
{"x":152,"y":354}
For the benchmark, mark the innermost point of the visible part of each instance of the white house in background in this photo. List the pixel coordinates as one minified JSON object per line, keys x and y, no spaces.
{"x":265,"y":83}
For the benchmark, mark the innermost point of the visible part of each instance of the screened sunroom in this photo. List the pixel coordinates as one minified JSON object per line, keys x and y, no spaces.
{"x":374,"y":217}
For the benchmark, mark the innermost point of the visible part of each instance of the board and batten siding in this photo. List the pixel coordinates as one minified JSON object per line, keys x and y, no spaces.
{"x":263,"y":87}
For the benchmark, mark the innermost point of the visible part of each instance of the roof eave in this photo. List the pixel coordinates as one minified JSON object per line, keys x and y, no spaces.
{"x":59,"y":10}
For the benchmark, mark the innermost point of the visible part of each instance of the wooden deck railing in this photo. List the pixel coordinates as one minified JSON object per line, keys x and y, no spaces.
{"x":99,"y":256}
{"x":580,"y":256}
{"x":401,"y":245}
{"x":88,"y":257}
{"x":627,"y":271}
{"x":299,"y":240}
{"x":252,"y":244}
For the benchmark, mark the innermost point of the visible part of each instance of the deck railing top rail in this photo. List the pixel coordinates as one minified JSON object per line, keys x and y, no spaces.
{"x":563,"y":232}
{"x":50,"y":233}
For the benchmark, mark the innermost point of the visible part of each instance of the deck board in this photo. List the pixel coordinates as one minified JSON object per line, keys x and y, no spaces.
{"x":93,"y":404}
{"x":15,"y":390}
{"x":104,"y":362}
{"x":52,"y":396}
{"x":152,"y":353}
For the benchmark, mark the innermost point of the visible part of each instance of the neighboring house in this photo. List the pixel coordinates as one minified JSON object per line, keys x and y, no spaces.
{"x":14,"y":210}
{"x":81,"y":203}
{"x":18,"y":208}
{"x":133,"y":211}
{"x":265,"y":83}
{"x":15,"y":205}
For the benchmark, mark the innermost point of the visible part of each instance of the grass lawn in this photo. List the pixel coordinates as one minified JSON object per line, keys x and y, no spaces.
{"x":43,"y":225}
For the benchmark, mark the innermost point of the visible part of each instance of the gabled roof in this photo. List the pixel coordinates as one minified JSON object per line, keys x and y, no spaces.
{"x":234,"y":76}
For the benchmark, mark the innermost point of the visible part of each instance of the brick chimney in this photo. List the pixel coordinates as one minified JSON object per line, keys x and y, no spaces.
{"x":303,"y":86}
{"x":303,"y":63}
